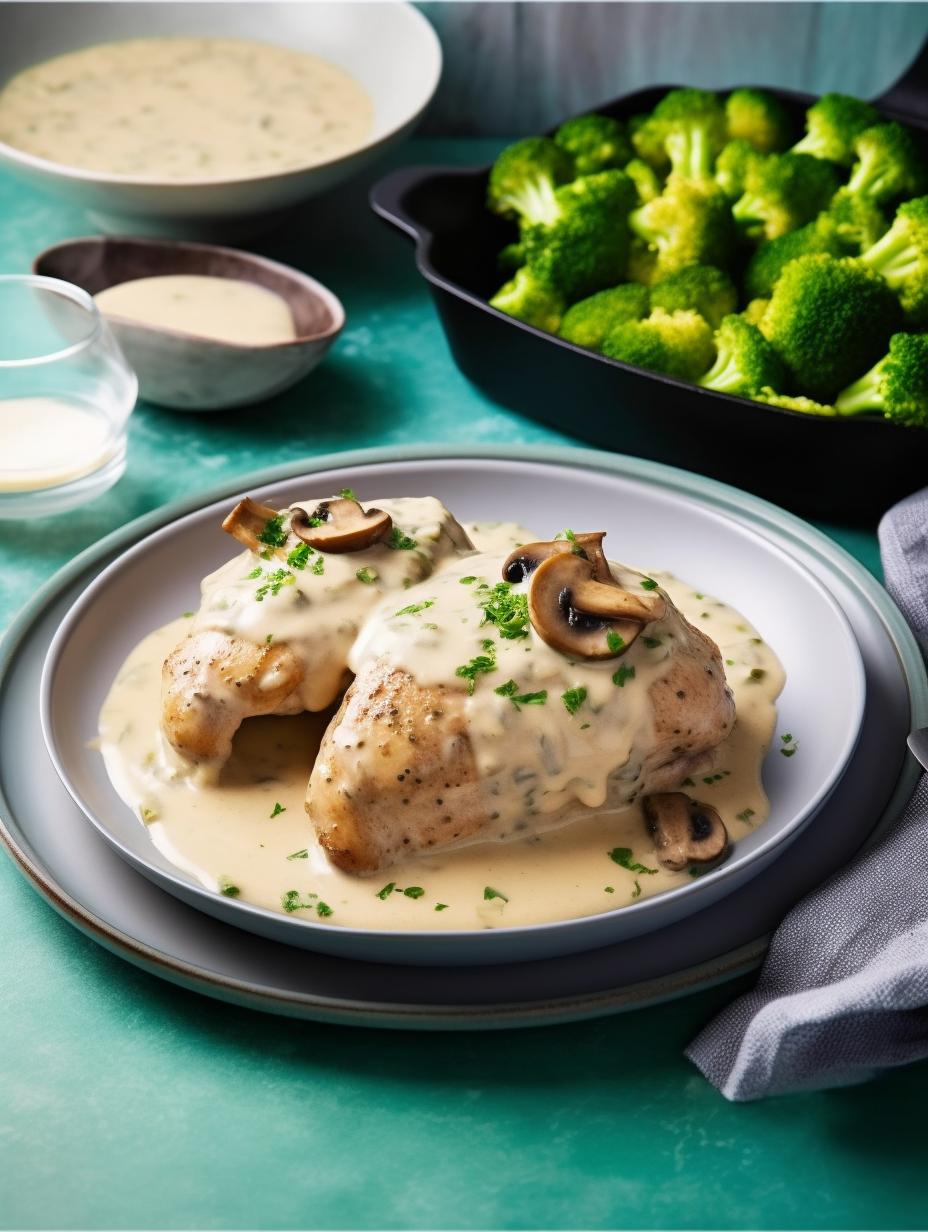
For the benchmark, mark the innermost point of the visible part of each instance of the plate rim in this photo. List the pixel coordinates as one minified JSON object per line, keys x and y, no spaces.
{"x":193,"y":893}
{"x":761,"y":513}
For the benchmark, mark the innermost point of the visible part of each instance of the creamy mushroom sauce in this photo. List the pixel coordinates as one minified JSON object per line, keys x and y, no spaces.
{"x":185,"y":109}
{"x":248,"y":835}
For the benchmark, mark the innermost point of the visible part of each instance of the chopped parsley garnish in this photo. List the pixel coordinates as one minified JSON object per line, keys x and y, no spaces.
{"x":489,"y":893}
{"x":278,"y":809}
{"x":696,"y":870}
{"x":622,"y":675}
{"x":573,"y":699}
{"x":623,"y":857}
{"x":414,"y":892}
{"x":298,"y":558}
{"x":273,"y":533}
{"x":255,"y":573}
{"x":400,"y":542}
{"x":415,"y":607}
{"x":650,"y":584}
{"x":609,"y":889}
{"x":584,"y":726}
{"x":323,"y":909}
{"x":466,"y":581}
{"x":302,"y":854}
{"x":789,"y":745}
{"x":366,"y":575}
{"x":636,"y":893}
{"x":746,"y":815}
{"x":651,"y":642}
{"x":386,"y":891}
{"x":273,"y":583}
{"x":508,"y":611}
{"x":228,"y":888}
{"x":614,"y":642}
{"x":755,"y":674}
{"x":479,"y":665}
{"x":441,"y":906}
{"x":717,"y":778}
{"x":148,"y":814}
{"x":269,"y":639}
{"x":318,"y":566}
{"x":187,"y":615}
{"x":348,"y":494}
{"x":290,"y":901}
{"x":729,"y":663}
{"x":511,"y":690}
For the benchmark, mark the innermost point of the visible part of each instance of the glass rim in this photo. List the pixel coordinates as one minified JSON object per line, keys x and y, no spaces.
{"x":68,"y":290}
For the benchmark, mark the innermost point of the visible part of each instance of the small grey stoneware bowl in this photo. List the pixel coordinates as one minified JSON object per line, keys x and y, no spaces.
{"x":182,"y":370}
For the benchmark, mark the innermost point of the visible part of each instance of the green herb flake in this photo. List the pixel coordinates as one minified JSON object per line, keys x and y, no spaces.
{"x":273,"y":533}
{"x":624,"y":674}
{"x":623,"y":857}
{"x":269,"y":639}
{"x":479,"y":665}
{"x":511,"y":690}
{"x":615,"y":643}
{"x":415,"y":607}
{"x":302,"y":854}
{"x":574,"y":698}
{"x":414,"y":892}
{"x":290,"y":901}
{"x":506,"y":610}
{"x":273,"y":583}
{"x":323,"y":909}
{"x":277,"y":810}
{"x":489,"y":893}
{"x":187,"y":615}
{"x":255,"y":573}
{"x":756,"y":674}
{"x":366,"y":575}
{"x":299,"y":557}
{"x":636,"y":893}
{"x":348,"y":494}
{"x":729,"y":663}
{"x":318,"y":566}
{"x":228,"y":888}
{"x":400,"y":542}
{"x":745,"y":815}
{"x":466,"y":581}
{"x":789,"y":745}
{"x":441,"y":906}
{"x":148,"y":814}
{"x":609,"y":889}
{"x":696,"y":870}
{"x":584,"y":726}
{"x":386,"y":891}
{"x":650,"y":584}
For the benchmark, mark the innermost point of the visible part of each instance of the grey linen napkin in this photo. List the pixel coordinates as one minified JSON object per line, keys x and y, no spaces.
{"x":843,"y":992}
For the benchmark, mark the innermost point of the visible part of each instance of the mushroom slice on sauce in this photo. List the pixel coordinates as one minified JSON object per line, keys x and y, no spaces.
{"x":578,"y":615}
{"x":340,"y":525}
{"x":247,"y":521}
{"x":685,"y":832}
{"x":526,"y":559}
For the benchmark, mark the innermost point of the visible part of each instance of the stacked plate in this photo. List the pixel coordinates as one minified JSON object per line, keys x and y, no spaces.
{"x":855,"y":687}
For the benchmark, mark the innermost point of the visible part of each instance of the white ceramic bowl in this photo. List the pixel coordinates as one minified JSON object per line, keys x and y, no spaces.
{"x":822,"y":701}
{"x":389,"y":48}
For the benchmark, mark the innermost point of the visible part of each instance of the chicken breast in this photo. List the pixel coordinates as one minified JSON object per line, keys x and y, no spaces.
{"x":414,"y":761}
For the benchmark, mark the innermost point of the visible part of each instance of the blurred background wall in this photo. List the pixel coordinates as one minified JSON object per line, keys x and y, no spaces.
{"x":513,"y":68}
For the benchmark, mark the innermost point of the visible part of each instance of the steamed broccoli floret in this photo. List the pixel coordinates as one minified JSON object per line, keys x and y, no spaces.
{"x":702,"y":287}
{"x":890,"y":164}
{"x":783,"y":191}
{"x":828,"y":317}
{"x":731,"y":166}
{"x":528,"y":299}
{"x":688,"y":224}
{"x":746,"y":363}
{"x":859,"y":221}
{"x":690,"y":126}
{"x":807,"y":406}
{"x":678,"y":344}
{"x":897,"y":385}
{"x":510,"y":258}
{"x":524,"y":177}
{"x":647,"y":137}
{"x":767,"y":263}
{"x":832,"y":124}
{"x":645,"y":178}
{"x":595,"y":142}
{"x":758,"y":117}
{"x":588,"y":321}
{"x":901,"y":257}
{"x":642,"y":263}
{"x":755,"y":310}
{"x":584,"y":246}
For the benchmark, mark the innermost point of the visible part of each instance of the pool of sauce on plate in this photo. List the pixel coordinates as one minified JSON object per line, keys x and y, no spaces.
{"x":185,"y":109}
{"x":224,"y":309}
{"x":248,"y":834}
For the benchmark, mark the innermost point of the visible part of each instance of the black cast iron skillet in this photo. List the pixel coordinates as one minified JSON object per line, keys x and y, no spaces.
{"x":846,"y":468}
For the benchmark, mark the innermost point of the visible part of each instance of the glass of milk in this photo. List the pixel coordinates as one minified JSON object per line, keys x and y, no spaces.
{"x":66,"y":393}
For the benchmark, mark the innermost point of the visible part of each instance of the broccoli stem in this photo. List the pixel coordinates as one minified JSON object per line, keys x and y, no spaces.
{"x":813,"y":144}
{"x":689,"y":153}
{"x":864,"y":394}
{"x":894,"y":257}
{"x":748,"y":208}
{"x":869,"y":178}
{"x":724,"y":375}
{"x":536,"y":202}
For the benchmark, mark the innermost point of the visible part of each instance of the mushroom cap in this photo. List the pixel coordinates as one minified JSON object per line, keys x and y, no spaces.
{"x":526,"y":559}
{"x":576,"y":614}
{"x":340,"y":525}
{"x":685,"y":831}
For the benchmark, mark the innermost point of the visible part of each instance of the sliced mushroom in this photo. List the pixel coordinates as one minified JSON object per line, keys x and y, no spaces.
{"x":340,"y":525}
{"x":578,"y":615}
{"x":526,"y":559}
{"x":685,"y":831}
{"x":247,"y":521}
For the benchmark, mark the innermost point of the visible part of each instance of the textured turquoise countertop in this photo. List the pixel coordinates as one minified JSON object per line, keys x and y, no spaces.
{"x":128,"y":1103}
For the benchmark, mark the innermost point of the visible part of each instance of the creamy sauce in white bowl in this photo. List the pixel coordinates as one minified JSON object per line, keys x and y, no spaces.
{"x":185,"y":109}
{"x":248,"y":835}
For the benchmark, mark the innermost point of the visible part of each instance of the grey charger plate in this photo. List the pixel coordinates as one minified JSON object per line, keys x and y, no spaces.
{"x":91,"y":886}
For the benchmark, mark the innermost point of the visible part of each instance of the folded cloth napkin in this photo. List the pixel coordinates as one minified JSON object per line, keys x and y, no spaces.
{"x":843,"y":992}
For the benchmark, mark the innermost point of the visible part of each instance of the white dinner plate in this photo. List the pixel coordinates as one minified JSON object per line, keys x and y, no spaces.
{"x":646,"y":523}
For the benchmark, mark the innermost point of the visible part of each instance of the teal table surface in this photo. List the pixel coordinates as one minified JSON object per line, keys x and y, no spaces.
{"x":128,"y":1103}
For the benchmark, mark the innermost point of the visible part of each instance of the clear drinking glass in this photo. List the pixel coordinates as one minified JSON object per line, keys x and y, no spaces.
{"x":66,"y":393}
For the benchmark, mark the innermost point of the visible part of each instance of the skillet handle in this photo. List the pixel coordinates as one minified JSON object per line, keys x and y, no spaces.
{"x":390,"y":197}
{"x":909,"y":95}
